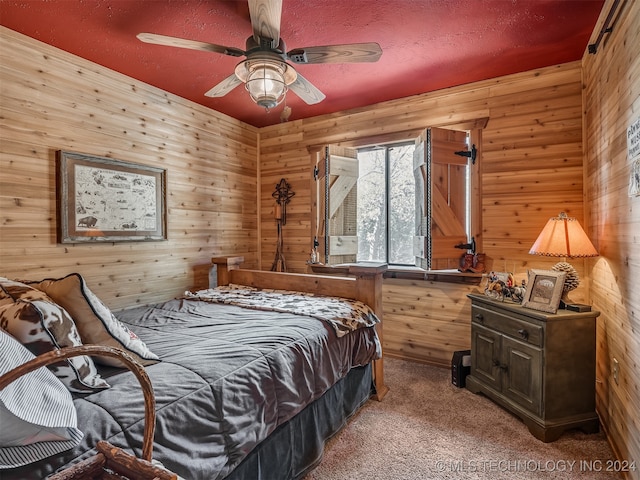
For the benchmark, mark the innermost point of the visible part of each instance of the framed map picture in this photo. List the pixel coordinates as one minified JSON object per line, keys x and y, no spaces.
{"x":105,"y":200}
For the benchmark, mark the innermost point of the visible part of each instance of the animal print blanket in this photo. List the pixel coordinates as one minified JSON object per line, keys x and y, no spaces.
{"x":344,"y":315}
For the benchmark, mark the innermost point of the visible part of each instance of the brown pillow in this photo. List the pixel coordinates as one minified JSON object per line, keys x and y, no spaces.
{"x":96,"y":324}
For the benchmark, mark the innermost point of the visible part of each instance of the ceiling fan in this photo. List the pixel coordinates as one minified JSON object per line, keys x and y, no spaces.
{"x":266,"y":73}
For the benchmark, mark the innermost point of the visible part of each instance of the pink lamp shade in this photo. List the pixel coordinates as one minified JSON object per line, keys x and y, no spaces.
{"x":563,"y":236}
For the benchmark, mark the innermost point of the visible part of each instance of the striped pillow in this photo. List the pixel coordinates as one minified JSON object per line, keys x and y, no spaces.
{"x":37,"y":411}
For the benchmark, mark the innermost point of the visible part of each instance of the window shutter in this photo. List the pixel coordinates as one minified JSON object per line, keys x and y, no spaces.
{"x":343,"y":202}
{"x":441,"y":202}
{"x":421,"y":239}
{"x":448,"y":189}
{"x":336,"y":199}
{"x":320,"y":196}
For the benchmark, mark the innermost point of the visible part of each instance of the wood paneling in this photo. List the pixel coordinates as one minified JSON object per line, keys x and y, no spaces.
{"x":426,"y":320}
{"x":221,"y":174}
{"x":531,"y":169}
{"x":53,"y":100}
{"x":611,"y":100}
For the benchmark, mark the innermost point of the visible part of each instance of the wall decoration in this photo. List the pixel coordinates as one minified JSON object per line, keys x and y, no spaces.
{"x":106,"y":200}
{"x":544,"y":290}
{"x":282,"y":195}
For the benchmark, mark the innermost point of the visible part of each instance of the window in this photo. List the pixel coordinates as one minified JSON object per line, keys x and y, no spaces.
{"x":405,"y":204}
{"x":386,"y":204}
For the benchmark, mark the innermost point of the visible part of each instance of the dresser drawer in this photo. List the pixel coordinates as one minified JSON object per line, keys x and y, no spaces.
{"x":521,"y":329}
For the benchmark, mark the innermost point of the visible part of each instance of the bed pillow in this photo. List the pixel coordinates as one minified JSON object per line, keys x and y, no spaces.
{"x":5,"y":298}
{"x":44,"y":425}
{"x":96,"y":324}
{"x":11,"y":290}
{"x":41,"y":325}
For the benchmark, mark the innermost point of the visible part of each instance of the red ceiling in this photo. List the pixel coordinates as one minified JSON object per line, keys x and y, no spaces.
{"x":427,"y":44}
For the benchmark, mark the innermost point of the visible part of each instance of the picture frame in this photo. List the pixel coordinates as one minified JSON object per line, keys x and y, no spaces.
{"x":544,"y":290}
{"x":102,"y":199}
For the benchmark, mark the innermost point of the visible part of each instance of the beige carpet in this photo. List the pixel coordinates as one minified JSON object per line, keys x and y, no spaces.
{"x":425,"y":428}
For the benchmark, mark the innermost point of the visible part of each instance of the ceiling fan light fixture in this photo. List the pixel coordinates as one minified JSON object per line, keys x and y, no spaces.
{"x":266,"y":86}
{"x":266,"y":72}
{"x":266,"y":80}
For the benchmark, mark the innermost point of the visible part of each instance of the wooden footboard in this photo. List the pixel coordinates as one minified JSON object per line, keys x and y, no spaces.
{"x":365,"y":285}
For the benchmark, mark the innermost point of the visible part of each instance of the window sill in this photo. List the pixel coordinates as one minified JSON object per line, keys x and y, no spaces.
{"x":409,"y":273}
{"x":449,"y":276}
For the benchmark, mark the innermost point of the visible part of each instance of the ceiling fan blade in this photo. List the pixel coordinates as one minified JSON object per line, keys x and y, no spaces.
{"x":348,"y":53}
{"x":224,"y":87}
{"x":191,"y":44}
{"x":306,"y":91}
{"x":266,"y":16}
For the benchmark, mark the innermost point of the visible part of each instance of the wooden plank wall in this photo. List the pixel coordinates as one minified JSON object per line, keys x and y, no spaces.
{"x":52,"y":100}
{"x":531,"y":166}
{"x":611,"y":104}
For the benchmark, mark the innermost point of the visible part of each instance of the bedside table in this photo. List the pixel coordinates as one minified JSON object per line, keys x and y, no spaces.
{"x":540,"y":366}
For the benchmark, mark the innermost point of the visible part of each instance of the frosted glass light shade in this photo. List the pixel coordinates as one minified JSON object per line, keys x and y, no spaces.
{"x":266,"y":79}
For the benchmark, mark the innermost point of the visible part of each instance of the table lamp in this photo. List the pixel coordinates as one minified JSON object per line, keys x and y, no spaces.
{"x":563,"y":236}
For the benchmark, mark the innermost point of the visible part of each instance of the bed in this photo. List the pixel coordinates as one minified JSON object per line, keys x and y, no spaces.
{"x":240,"y":392}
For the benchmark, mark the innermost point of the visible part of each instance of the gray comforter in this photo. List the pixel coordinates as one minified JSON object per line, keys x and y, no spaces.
{"x":229,"y":376}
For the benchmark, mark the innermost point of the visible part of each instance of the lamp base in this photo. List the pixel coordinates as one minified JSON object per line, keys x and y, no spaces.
{"x":565,"y":300}
{"x":567,"y":304}
{"x":571,"y":282}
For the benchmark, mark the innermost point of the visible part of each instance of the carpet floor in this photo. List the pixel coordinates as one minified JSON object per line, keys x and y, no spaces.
{"x":425,"y":428}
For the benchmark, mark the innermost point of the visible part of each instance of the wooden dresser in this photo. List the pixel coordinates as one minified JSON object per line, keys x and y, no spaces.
{"x":539,"y":366}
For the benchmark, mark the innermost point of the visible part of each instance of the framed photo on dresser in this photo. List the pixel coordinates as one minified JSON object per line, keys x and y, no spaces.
{"x":544,"y":290}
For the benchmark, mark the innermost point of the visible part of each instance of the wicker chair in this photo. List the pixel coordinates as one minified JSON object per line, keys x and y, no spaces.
{"x":110,"y":462}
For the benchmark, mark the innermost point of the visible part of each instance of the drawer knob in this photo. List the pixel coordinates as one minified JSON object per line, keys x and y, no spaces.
{"x":479,"y":317}
{"x":501,"y":366}
{"x":523,"y":333}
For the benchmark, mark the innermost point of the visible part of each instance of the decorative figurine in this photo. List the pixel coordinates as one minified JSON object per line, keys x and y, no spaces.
{"x":517,"y":292}
{"x":499,"y":285}
{"x":314,"y":258}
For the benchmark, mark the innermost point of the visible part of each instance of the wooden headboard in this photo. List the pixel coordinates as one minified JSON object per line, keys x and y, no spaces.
{"x":363,"y":284}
